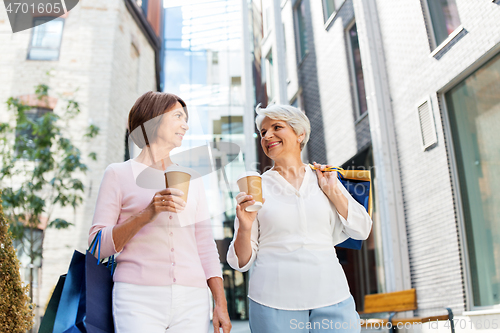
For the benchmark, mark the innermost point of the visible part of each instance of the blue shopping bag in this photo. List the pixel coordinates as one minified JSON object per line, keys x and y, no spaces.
{"x":48,"y":319}
{"x":85,"y":304}
{"x":99,"y":288}
{"x":358,"y":184}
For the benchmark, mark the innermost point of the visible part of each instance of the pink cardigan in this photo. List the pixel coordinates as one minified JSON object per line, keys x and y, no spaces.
{"x":163,"y":252}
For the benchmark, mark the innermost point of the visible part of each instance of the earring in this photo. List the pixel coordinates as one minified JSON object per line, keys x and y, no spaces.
{"x":299,"y":140}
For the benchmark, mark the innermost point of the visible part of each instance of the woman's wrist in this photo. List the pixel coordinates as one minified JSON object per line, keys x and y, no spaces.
{"x":334,"y":192}
{"x":244,"y":232}
{"x":145,"y":216}
{"x":340,"y":201}
{"x":220,"y":302}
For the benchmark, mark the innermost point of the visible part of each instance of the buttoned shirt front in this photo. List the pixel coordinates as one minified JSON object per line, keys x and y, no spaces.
{"x":293,"y":239}
{"x":175,"y":248}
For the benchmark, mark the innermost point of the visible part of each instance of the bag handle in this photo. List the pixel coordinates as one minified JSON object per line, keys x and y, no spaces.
{"x":93,"y":247}
{"x":338,"y":169}
{"x":93,"y":242}
{"x":96,"y":245}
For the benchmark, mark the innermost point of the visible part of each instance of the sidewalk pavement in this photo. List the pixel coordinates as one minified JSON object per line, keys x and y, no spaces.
{"x":239,"y":326}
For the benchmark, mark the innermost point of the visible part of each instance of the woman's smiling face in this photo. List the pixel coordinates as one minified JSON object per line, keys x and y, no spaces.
{"x":173,"y":127}
{"x":278,"y":138}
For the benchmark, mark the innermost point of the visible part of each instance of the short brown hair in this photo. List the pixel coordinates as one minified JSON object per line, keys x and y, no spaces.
{"x":150,"y":106}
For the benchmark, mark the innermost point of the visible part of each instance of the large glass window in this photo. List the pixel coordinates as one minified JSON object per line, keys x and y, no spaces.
{"x":357,"y":72}
{"x":300,"y":11}
{"x":330,"y":7}
{"x":203,"y":64}
{"x":444,"y":18}
{"x":46,"y":39}
{"x":474,"y":108}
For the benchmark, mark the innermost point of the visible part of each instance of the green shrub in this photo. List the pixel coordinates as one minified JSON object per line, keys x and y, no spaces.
{"x":16,"y":310}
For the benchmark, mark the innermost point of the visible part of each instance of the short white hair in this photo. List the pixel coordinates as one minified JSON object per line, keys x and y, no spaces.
{"x":294,"y":117}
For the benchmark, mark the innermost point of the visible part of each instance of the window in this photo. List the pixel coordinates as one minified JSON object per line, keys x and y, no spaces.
{"x":267,"y":18}
{"x":330,"y":7}
{"x":46,"y":39}
{"x":236,"y":96}
{"x":357,"y":72}
{"x":474,"y":112}
{"x":31,"y":242}
{"x":228,"y":125}
{"x":286,"y":57}
{"x":444,"y":18}
{"x":24,"y":132}
{"x":270,"y":76}
{"x":300,"y":10}
{"x":298,"y":100}
{"x":143,"y":4}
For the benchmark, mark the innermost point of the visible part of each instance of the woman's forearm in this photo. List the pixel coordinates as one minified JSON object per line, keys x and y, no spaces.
{"x":217,"y":288}
{"x":123,"y":232}
{"x":243,"y":247}
{"x":339,"y":201}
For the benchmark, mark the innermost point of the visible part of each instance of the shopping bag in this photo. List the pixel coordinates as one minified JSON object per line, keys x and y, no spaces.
{"x":99,"y":287}
{"x":85,"y":302}
{"x":71,"y":296}
{"x":48,"y":319}
{"x":358,"y":184}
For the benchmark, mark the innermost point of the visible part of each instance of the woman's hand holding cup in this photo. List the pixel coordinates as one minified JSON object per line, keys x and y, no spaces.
{"x":245,"y":218}
{"x":167,"y":200}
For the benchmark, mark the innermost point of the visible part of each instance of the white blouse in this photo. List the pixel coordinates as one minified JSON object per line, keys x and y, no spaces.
{"x":293,"y":239}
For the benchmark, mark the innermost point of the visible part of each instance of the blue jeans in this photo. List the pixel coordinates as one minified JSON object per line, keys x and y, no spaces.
{"x":340,"y":317}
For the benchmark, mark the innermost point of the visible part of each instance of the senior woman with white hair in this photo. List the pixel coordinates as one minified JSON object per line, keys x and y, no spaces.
{"x":297,"y":283}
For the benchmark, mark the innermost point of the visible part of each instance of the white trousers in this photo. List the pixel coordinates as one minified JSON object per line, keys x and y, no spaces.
{"x":160,"y":309}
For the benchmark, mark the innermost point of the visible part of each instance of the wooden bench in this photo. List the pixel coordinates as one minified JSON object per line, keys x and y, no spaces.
{"x":394,"y":302}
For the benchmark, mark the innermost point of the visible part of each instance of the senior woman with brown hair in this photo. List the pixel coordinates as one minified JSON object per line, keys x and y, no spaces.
{"x":165,"y":262}
{"x":297,"y":283}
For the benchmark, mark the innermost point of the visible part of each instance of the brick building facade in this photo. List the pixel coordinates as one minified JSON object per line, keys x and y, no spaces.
{"x":383,"y":83}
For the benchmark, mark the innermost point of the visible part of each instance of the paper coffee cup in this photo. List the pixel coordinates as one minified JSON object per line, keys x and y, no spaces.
{"x":251,"y":183}
{"x":178,"y":180}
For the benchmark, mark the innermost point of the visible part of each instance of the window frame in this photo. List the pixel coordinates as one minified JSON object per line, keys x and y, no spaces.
{"x":471,"y":309}
{"x":435,"y":47}
{"x":300,"y":55}
{"x":269,"y":68}
{"x":30,"y":47}
{"x":328,"y":18}
{"x":352,"y":71}
{"x":266,"y":17}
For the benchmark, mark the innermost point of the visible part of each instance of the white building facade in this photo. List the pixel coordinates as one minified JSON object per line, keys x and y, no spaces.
{"x":411,"y":90}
